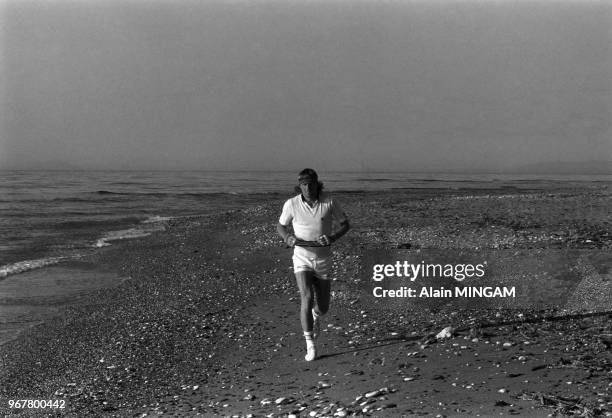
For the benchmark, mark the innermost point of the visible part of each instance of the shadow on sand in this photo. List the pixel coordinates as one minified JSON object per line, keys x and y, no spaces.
{"x":416,"y":338}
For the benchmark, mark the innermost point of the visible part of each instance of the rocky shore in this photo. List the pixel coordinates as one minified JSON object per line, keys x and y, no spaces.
{"x":207,"y":321}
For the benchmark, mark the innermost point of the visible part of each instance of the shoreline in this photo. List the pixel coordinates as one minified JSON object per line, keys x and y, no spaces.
{"x":84,"y":232}
{"x":211,"y":300}
{"x":31,"y":298}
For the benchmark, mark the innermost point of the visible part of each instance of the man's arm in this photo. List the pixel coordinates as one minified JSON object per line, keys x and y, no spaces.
{"x":344,"y":227}
{"x":287,"y":236}
{"x":328,"y":239}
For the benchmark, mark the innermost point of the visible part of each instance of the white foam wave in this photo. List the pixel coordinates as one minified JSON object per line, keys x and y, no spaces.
{"x":157,"y":218}
{"x":26,"y":265}
{"x":147,"y":227}
{"x":119,"y":235}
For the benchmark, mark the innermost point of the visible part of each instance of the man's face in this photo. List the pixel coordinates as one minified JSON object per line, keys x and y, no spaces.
{"x":309,"y":188}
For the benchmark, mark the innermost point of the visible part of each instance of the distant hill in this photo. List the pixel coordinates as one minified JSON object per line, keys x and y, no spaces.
{"x":564,"y":167}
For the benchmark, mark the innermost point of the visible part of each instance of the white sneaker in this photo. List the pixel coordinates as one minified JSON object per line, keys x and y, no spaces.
{"x":311,"y":353}
{"x":316,"y":325}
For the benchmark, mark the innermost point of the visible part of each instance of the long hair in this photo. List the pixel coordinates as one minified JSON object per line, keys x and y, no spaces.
{"x":309,"y":172}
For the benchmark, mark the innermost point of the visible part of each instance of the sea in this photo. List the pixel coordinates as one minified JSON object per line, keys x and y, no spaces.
{"x":47,"y":217}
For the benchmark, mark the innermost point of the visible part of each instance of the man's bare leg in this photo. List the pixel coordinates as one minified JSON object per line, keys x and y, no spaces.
{"x":305,"y":281}
{"x":321,"y":290}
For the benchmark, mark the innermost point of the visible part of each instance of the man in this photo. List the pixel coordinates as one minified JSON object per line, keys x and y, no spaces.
{"x":311,"y":214}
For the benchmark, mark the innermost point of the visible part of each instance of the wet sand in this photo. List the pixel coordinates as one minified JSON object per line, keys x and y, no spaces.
{"x":208,"y":321}
{"x":30,"y":298}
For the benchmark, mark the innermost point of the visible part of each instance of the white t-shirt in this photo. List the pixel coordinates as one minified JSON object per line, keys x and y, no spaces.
{"x":309,"y":223}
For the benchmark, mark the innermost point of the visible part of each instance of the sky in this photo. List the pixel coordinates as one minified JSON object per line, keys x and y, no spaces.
{"x":280,"y":84}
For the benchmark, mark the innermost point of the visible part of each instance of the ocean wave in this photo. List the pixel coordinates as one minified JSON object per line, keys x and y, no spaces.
{"x":157,"y":218}
{"x":450,"y":181}
{"x":107,"y":192}
{"x":26,"y":265}
{"x":146,"y":228}
{"x":119,"y":235}
{"x":71,"y":199}
{"x":89,"y":223}
{"x":162,"y":194}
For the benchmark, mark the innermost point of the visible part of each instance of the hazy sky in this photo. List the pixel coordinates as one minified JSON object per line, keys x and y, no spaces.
{"x":283,"y":84}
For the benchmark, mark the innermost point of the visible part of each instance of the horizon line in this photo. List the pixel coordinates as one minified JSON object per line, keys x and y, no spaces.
{"x":455,"y":171}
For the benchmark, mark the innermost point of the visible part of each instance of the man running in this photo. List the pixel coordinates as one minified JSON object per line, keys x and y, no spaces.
{"x":311,"y":213}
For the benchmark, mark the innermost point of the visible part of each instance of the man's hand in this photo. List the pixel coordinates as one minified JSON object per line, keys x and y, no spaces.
{"x":291,"y":240}
{"x":324,"y":240}
{"x":288,"y":237}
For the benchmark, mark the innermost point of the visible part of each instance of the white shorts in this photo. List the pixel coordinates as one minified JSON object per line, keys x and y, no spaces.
{"x":319,"y":265}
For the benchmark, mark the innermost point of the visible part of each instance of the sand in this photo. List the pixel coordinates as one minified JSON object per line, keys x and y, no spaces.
{"x":208,"y":320}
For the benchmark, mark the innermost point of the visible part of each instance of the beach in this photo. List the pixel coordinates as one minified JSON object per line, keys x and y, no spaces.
{"x":202,"y":317}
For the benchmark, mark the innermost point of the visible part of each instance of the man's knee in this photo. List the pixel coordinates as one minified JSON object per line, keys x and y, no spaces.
{"x":306,"y":295}
{"x":304,"y":285}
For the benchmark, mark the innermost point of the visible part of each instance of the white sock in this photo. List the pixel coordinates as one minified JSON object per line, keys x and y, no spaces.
{"x":311,"y":350}
{"x":309,"y":339}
